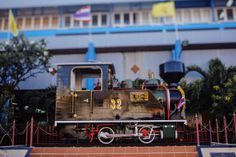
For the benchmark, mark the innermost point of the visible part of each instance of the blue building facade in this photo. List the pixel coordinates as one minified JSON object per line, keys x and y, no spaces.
{"x":125,"y":33}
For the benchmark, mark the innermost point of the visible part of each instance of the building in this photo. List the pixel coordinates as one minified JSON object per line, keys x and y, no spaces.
{"x":125,"y":33}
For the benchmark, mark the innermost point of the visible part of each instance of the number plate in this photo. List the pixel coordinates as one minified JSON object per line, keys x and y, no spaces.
{"x":138,"y":96}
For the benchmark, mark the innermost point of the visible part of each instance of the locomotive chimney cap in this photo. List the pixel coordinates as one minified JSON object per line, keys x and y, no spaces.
{"x":172,"y":72}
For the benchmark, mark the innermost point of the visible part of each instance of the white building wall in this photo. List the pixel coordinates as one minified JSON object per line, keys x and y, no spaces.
{"x":146,"y":61}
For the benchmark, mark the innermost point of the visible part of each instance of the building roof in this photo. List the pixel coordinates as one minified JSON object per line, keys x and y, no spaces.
{"x":6,"y":4}
{"x":12,"y":4}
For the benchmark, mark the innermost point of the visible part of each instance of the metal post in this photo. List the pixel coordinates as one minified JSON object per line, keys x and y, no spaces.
{"x":37,"y":140}
{"x":234,"y":126}
{"x":31,"y":131}
{"x":53,"y":132}
{"x":49,"y":130}
{"x":13,"y":132}
{"x":26,"y":133}
{"x":225,"y":128}
{"x":217,"y":132}
{"x":197,"y":130}
{"x":210,"y":132}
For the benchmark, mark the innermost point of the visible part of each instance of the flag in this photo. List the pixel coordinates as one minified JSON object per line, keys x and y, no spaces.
{"x":12,"y":24}
{"x":181,"y":103}
{"x":181,"y":91}
{"x":83,"y":14}
{"x":163,"y":9}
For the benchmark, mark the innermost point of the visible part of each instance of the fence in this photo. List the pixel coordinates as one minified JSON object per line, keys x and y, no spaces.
{"x":32,"y":134}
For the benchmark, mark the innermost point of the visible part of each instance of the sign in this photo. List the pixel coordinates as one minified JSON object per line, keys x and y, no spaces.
{"x":138,"y":96}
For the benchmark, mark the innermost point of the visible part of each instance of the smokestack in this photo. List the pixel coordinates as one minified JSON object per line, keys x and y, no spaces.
{"x":172,"y":72}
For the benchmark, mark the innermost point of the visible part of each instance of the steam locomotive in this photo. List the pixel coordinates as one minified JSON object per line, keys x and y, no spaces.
{"x":147,"y":111}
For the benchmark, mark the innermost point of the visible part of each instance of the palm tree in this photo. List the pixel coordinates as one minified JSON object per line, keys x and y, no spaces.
{"x":216,"y":90}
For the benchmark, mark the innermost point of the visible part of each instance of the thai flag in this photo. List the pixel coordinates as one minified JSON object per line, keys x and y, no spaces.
{"x":83,"y":14}
{"x":181,"y":103}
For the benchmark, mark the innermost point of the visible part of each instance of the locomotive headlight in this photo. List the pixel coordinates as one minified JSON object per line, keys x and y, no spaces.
{"x":75,"y":115}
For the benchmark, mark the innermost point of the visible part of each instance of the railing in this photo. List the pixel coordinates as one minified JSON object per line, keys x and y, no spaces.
{"x":31,"y":134}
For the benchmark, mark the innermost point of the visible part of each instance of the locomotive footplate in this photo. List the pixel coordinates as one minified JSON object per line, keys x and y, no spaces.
{"x":120,"y":121}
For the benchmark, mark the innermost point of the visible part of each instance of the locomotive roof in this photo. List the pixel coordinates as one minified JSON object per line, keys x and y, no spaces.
{"x":89,"y":64}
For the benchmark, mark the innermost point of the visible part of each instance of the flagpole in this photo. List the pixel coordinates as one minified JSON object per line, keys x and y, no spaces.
{"x":176,"y":28}
{"x":90,"y":25}
{"x":90,"y":32}
{"x":8,"y":31}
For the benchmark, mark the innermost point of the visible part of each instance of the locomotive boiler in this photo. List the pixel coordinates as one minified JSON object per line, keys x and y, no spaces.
{"x":148,"y":110}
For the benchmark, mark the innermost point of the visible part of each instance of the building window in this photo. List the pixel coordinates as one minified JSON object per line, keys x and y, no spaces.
{"x":76,"y":23}
{"x":28,"y":23}
{"x":1,"y":23}
{"x":67,"y":21}
{"x":145,"y":18}
{"x":85,"y":23}
{"x":5,"y":24}
{"x":136,"y":18}
{"x":24,"y":12}
{"x":38,"y":11}
{"x":206,"y":15}
{"x":104,"y":20}
{"x":117,"y":19}
{"x":126,"y":19}
{"x":94,"y":20}
{"x":225,"y":14}
{"x":156,"y":20}
{"x":196,"y":15}
{"x":46,"y":22}
{"x":37,"y":22}
{"x":50,"y":11}
{"x":178,"y":16}
{"x":187,"y":16}
{"x":19,"y":22}
{"x":169,"y":20}
{"x":220,"y":14}
{"x":230,"y":14}
{"x":54,"y":21}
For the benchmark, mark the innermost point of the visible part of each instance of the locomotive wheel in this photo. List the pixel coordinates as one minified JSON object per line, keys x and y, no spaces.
{"x":103,"y":135}
{"x":147,"y":136}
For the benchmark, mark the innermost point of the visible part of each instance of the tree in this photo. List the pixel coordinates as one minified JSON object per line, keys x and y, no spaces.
{"x":37,"y":103}
{"x":224,"y":98}
{"x":215,"y":92}
{"x":192,"y":92}
{"x":20,"y":59}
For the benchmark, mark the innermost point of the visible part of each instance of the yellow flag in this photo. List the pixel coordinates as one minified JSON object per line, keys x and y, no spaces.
{"x":181,"y":91}
{"x":12,"y":24}
{"x":163,"y":9}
